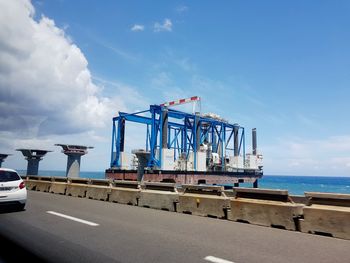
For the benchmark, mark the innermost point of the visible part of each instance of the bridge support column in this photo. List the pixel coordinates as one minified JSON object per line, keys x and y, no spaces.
{"x":33,"y":157}
{"x":74,"y":153}
{"x":2,"y":158}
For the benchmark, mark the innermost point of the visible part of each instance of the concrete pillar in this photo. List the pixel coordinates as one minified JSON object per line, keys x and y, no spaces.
{"x":74,"y":153}
{"x":165,"y":129}
{"x":143,"y":159}
{"x":73,"y":165}
{"x":198,"y":132}
{"x":33,"y":166}
{"x":235,"y":140}
{"x":2,"y":158}
{"x":213,"y":141}
{"x":33,"y":157}
{"x":122,"y":135}
{"x":254,"y":146}
{"x":183,"y":140}
{"x":198,"y":161}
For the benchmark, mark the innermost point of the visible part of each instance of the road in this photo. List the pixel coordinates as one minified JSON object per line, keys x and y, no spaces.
{"x":56,"y":228}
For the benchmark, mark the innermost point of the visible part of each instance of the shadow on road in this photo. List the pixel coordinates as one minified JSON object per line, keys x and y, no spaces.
{"x":10,"y":250}
{"x":10,"y":209}
{"x":13,"y":252}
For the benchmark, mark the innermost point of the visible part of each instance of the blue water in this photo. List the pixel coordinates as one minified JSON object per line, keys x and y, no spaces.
{"x":296,"y":185}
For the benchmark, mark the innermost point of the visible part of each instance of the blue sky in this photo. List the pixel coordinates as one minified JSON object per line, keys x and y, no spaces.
{"x":279,"y":66}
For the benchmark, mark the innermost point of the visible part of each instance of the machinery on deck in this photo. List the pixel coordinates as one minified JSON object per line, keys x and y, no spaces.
{"x":186,"y":148}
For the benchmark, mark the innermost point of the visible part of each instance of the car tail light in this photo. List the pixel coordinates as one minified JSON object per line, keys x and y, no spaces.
{"x":22,"y":185}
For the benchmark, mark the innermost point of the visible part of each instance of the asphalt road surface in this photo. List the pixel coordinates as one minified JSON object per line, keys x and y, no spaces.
{"x":56,"y":228}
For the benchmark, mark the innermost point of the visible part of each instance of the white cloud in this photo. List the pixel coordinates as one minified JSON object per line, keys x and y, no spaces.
{"x":182,"y":9}
{"x":162,"y":80}
{"x":137,"y":28}
{"x":168,"y":90}
{"x":116,"y":50}
{"x":186,"y":65}
{"x":128,"y":95}
{"x":166,"y":26}
{"x":46,"y":88}
{"x":44,"y":75}
{"x":298,"y":156}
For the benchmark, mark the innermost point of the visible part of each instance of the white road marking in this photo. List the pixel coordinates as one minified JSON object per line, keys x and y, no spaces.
{"x":72,"y":218}
{"x":217,"y":260}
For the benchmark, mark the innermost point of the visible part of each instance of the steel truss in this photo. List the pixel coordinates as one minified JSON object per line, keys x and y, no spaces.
{"x":183,"y":132}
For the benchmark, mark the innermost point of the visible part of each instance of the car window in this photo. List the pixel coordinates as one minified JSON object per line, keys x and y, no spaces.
{"x":6,"y":176}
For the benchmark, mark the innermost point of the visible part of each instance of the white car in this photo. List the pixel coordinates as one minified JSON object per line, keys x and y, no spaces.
{"x":13,"y":191}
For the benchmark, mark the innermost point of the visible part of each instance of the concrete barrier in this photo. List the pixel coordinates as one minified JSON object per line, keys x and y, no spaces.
{"x":163,"y":196}
{"x":229,"y":193}
{"x":31,"y":177}
{"x":99,"y":190}
{"x":324,"y":213}
{"x":203,"y":200}
{"x":31,"y":182}
{"x":43,"y":184}
{"x":265,"y":207}
{"x":327,"y":214}
{"x":59,"y":185}
{"x":124,"y":192}
{"x":300,"y":199}
{"x":77,"y":187}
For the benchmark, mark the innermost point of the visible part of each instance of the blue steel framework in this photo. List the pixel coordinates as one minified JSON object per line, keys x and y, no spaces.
{"x":181,"y":136}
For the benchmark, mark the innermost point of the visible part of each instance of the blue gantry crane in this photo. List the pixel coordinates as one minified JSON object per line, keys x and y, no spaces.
{"x":177,"y":143}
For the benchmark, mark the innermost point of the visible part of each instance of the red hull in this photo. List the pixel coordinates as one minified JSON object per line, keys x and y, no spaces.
{"x":183,"y":178}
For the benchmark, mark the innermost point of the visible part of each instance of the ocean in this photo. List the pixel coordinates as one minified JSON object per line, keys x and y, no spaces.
{"x":296,"y":185}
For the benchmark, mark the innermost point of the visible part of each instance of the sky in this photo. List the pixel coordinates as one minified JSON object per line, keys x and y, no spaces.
{"x":68,"y":67}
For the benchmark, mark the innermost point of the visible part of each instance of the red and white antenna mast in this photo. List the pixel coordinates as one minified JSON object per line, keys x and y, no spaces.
{"x":196,"y":100}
